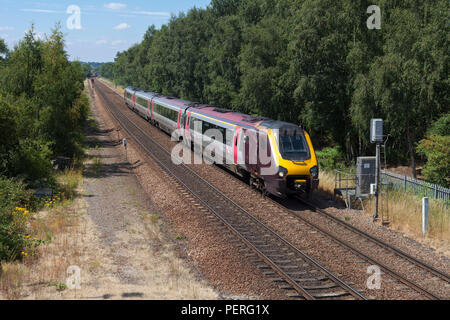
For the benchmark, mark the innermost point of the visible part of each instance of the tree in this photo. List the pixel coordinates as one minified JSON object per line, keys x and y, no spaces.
{"x":436,"y":148}
{"x":3,"y":50}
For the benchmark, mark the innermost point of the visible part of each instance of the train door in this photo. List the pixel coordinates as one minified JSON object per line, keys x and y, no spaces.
{"x":251,"y":149}
{"x":264,"y":154}
{"x":151,"y":112}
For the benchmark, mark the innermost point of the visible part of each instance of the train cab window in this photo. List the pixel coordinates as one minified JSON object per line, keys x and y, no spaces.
{"x":293,"y":146}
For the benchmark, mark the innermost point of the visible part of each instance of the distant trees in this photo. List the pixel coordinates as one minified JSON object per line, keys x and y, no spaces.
{"x":311,"y":62}
{"x":106,"y":70}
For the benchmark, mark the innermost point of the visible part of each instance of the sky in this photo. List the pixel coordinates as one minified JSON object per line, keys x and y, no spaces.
{"x":94,"y":30}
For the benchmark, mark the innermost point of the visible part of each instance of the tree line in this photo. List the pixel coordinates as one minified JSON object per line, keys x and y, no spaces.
{"x":42,"y":108}
{"x":311,"y":62}
{"x":43,"y":112}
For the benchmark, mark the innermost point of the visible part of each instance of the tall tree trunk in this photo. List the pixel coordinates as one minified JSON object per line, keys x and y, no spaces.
{"x":411,"y":153}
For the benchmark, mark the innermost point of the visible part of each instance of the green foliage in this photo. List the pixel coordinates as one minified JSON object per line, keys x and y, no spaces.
{"x":3,"y":50}
{"x":106,"y":70}
{"x":43,"y":112}
{"x":310,"y":62}
{"x":331,"y":158}
{"x":14,"y":237}
{"x":441,"y":126}
{"x":436,"y":148}
{"x":42,"y":107}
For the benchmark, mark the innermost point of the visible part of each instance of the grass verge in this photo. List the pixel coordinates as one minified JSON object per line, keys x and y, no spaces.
{"x":405,"y":214}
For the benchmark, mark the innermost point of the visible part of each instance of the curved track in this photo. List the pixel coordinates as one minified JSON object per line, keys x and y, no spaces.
{"x":348,"y":237}
{"x":304,"y":277}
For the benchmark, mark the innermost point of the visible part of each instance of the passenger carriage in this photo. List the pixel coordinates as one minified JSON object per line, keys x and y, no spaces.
{"x":274,"y":156}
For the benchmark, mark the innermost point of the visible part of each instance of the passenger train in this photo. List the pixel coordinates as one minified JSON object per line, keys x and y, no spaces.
{"x":275,"y":157}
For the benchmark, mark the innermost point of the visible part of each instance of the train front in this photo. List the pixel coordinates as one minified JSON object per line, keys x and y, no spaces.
{"x":297,"y":168}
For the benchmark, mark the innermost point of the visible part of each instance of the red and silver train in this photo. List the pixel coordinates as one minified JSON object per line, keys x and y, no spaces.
{"x":274,"y":156}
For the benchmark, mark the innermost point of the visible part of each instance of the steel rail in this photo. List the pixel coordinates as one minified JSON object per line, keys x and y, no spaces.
{"x":375,"y":240}
{"x":380,"y":242}
{"x":263,"y":256}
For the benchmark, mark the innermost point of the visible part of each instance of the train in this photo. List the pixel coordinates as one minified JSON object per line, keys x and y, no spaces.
{"x":273,"y":156}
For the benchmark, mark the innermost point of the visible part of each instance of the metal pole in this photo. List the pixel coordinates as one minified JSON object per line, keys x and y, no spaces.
{"x":377,"y":179}
{"x":424,"y":216}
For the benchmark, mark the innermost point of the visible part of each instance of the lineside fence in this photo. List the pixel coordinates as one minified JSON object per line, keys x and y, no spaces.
{"x":405,"y":183}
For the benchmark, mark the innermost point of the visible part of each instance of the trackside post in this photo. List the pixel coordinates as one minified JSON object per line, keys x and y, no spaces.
{"x":424,"y":216}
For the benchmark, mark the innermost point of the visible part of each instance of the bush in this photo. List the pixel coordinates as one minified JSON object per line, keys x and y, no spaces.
{"x":14,"y":238}
{"x":436,"y":148}
{"x":331,"y":158}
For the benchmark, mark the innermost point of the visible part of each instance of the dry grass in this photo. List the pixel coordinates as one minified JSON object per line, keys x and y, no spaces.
{"x":405,"y":214}
{"x":48,"y":262}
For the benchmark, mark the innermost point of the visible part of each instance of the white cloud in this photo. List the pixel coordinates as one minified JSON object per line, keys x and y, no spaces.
{"x":101,"y":41}
{"x":118,"y":42}
{"x":7,"y":28}
{"x":152,"y":13}
{"x":115,"y":6}
{"x":41,"y":10}
{"x":122,"y":26}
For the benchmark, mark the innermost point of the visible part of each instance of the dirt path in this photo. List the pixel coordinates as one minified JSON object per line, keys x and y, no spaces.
{"x":133,"y":256}
{"x":113,"y":235}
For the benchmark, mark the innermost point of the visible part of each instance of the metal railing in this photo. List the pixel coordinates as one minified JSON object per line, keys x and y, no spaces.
{"x":405,"y":183}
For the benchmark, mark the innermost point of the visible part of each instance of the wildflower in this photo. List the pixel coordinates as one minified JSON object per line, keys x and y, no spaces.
{"x":28,"y":237}
{"x":24,"y":253}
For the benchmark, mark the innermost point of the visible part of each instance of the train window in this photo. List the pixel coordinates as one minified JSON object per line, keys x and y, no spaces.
{"x":196,"y":125}
{"x":293,"y":146}
{"x":229,"y":137}
{"x":167,"y":113}
{"x":141,"y":101}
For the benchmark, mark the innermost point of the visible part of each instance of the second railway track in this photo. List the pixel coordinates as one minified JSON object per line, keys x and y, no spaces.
{"x":323,"y":282}
{"x":304,"y":277}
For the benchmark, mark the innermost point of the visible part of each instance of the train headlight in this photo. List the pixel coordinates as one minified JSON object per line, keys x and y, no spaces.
{"x":282,"y":172}
{"x":314,"y":171}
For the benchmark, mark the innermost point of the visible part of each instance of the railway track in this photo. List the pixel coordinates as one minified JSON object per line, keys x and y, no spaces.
{"x":353,"y":235}
{"x":299,"y":274}
{"x":352,"y":240}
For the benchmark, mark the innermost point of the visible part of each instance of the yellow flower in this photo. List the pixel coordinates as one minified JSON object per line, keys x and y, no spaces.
{"x":28,"y":237}
{"x":24,"y":253}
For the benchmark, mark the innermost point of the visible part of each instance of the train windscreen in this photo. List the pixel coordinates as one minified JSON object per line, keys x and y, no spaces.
{"x":292,"y":145}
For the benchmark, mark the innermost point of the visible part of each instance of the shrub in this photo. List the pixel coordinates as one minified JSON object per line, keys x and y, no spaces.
{"x":330,"y":158}
{"x":14,"y":239}
{"x":436,"y":148}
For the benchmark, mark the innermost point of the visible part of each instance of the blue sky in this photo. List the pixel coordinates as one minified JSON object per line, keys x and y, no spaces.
{"x":106,"y":26}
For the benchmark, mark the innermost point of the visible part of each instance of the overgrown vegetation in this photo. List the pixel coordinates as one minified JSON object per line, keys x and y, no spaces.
{"x":43,"y":112}
{"x":436,"y":147}
{"x":313,"y":62}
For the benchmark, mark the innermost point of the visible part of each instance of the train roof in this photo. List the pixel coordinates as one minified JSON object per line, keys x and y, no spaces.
{"x":226,"y":115}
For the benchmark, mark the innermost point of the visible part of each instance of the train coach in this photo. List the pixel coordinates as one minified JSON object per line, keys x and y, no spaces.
{"x":275,"y":157}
